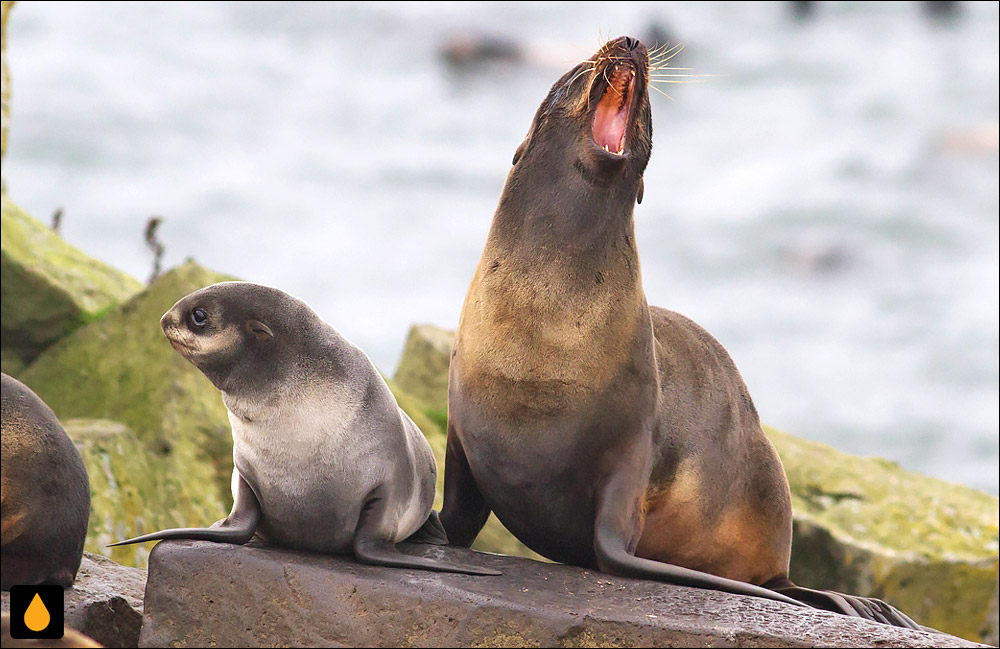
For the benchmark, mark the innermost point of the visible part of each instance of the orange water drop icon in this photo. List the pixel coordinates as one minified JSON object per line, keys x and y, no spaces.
{"x":37,"y":616}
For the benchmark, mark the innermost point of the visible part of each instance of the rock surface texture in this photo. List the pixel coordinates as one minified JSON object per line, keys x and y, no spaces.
{"x":205,"y":594}
{"x":105,"y":603}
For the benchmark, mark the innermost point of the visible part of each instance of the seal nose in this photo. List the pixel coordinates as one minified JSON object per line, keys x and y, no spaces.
{"x":632,"y":43}
{"x":167,"y":320}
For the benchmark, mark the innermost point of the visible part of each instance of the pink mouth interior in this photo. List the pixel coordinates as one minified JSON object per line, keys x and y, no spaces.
{"x":611,"y":116}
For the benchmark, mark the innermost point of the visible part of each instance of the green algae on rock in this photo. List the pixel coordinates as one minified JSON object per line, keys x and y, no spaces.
{"x":48,"y":288}
{"x":423,"y":367}
{"x":125,"y":497}
{"x":122,"y":368}
{"x":866,"y":526}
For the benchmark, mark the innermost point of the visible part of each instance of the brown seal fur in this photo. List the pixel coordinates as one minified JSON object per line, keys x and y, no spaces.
{"x":44,"y":490}
{"x":604,"y":432}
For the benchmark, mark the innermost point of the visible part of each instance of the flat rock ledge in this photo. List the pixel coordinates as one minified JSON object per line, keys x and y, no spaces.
{"x":206,"y":594}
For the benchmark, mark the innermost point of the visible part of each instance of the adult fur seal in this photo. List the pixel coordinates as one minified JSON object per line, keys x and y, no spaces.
{"x":604,"y":432}
{"x":325,"y":460}
{"x":44,"y":490}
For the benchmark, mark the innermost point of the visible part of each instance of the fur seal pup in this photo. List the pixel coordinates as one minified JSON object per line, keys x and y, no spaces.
{"x":325,"y":460}
{"x":603,"y":432}
{"x":44,"y":491}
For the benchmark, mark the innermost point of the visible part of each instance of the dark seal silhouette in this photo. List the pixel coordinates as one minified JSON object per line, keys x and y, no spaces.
{"x":45,"y":493}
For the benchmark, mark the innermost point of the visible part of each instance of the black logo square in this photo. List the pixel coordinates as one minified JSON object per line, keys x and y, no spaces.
{"x":36,"y":612}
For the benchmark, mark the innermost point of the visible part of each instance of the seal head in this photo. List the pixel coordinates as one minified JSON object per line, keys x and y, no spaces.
{"x":593,"y":133}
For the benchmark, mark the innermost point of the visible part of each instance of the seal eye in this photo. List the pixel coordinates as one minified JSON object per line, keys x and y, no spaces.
{"x":199,"y":317}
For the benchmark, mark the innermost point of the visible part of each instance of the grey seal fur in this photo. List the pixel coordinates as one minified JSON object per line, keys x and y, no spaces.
{"x":325,"y":460}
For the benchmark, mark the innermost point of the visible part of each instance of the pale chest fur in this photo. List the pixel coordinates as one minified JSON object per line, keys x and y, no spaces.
{"x":296,"y":445}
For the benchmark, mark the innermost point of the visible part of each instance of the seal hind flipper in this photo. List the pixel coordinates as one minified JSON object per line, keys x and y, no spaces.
{"x":867,"y":608}
{"x":237,"y":528}
{"x":614,"y":556}
{"x":431,"y":532}
{"x":373,"y":546}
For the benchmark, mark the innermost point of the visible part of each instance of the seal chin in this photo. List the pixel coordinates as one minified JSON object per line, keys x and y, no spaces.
{"x":185,"y":350}
{"x":613,"y":110}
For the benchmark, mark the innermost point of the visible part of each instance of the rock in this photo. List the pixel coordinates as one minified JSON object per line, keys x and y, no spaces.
{"x":862,"y":525}
{"x":866,"y":526}
{"x":11,"y":363}
{"x":125,"y":495}
{"x":48,"y":288}
{"x":205,"y":594}
{"x":105,"y":603}
{"x":122,"y":368}
{"x":423,"y":367}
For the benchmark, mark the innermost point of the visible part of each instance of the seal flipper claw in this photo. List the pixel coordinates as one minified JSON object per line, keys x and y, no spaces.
{"x":431,"y":532}
{"x":371,"y":545}
{"x":237,"y":528}
{"x":863,"y":607}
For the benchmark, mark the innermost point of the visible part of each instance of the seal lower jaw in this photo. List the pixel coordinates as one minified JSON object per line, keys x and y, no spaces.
{"x":184,"y":349}
{"x":613,"y":111}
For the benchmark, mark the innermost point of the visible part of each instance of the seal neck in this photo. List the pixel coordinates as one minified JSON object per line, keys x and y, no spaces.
{"x":592,"y":227}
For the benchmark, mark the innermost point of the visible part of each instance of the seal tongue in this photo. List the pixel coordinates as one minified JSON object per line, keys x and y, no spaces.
{"x":611,"y":115}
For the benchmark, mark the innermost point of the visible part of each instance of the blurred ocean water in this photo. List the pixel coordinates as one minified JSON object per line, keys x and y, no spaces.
{"x":828,"y":208}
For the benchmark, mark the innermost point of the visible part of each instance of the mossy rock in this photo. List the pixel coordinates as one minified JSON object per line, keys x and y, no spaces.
{"x":423,"y":366}
{"x":125,"y":498}
{"x":866,"y":526}
{"x":122,"y":368}
{"x":48,"y":288}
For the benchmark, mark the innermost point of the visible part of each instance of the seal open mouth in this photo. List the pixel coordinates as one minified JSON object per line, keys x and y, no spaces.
{"x":612,"y":112}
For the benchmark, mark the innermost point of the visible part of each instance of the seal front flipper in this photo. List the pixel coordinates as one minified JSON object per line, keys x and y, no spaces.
{"x":828,"y":600}
{"x":616,"y":524}
{"x":465,"y":510}
{"x":431,"y":532}
{"x":237,"y":528}
{"x":373,"y":544}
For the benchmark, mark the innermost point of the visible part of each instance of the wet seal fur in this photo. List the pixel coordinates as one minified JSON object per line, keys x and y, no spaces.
{"x":325,"y":460}
{"x":44,"y":491}
{"x":603,"y":432}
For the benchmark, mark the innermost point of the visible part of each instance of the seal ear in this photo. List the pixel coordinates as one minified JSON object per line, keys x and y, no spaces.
{"x":642,"y":190}
{"x":520,"y":151}
{"x":259,"y":329}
